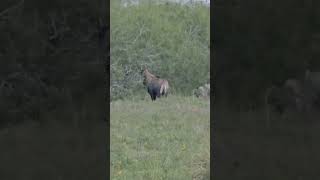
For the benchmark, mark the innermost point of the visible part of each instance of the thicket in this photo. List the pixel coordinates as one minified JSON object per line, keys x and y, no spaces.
{"x":50,"y":57}
{"x":172,"y":40}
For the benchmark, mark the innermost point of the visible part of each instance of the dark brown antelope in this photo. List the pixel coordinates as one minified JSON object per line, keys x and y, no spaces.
{"x":156,"y":86}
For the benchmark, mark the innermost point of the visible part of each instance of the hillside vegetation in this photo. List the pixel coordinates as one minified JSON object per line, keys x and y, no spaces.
{"x":170,"y":39}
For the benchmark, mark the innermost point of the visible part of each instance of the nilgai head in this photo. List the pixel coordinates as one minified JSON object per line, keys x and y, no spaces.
{"x":144,"y":69}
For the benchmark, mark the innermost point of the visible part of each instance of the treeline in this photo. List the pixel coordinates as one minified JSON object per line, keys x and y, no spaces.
{"x":259,"y":44}
{"x":172,"y":40}
{"x":50,"y":57}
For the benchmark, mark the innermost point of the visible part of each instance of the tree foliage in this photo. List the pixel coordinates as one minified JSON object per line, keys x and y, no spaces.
{"x":172,"y":40}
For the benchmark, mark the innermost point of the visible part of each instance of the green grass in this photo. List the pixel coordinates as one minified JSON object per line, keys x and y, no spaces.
{"x":165,"y":139}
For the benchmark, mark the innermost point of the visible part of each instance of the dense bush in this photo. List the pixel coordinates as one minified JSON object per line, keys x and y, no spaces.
{"x":172,"y":40}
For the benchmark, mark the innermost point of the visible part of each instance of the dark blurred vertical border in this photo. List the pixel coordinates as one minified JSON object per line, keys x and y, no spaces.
{"x":107,"y":67}
{"x":213,"y":84}
{"x":54,"y":89}
{"x":256,"y":46}
{"x":104,"y":38}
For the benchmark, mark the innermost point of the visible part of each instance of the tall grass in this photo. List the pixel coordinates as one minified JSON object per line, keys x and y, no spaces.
{"x":165,"y":139}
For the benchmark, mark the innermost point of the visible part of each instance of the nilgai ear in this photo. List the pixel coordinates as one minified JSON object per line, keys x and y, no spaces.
{"x":143,"y":67}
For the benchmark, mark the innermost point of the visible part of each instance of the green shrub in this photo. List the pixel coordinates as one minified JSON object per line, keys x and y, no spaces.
{"x":171,"y":40}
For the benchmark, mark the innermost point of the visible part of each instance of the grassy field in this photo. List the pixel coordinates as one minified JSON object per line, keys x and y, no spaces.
{"x":165,"y":139}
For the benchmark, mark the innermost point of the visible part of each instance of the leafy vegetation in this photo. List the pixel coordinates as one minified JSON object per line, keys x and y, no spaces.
{"x":170,"y":39}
